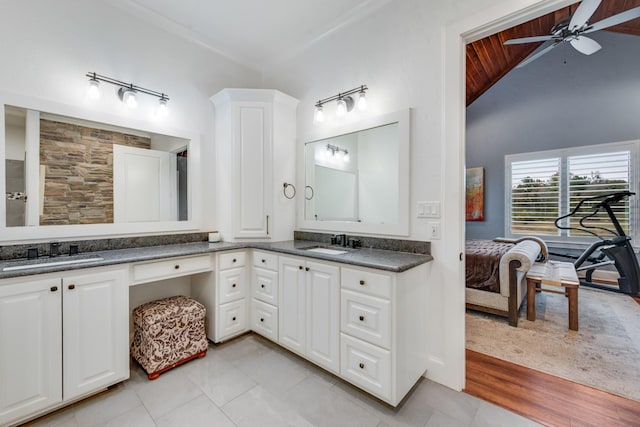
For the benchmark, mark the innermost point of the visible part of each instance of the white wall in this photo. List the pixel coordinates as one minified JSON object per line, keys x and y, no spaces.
{"x":48,"y":47}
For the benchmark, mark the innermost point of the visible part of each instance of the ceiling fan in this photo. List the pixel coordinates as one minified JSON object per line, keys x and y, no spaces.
{"x":571,"y":30}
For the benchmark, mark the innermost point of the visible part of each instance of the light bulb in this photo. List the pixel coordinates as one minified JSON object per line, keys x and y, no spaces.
{"x":362,"y":101}
{"x":129,"y":98}
{"x":93,"y":90}
{"x":163,"y":110}
{"x":319,"y":116}
{"x":341,"y":110}
{"x":346,"y":157}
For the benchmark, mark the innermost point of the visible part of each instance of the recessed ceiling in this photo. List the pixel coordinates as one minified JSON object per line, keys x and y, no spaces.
{"x":255,"y":33}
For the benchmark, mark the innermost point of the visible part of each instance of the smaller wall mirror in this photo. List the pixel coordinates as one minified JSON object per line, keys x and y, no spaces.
{"x":357,"y":181}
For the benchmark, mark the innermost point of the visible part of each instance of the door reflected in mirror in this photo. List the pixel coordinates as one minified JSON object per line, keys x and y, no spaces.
{"x":354,"y":177}
{"x":61,"y":171}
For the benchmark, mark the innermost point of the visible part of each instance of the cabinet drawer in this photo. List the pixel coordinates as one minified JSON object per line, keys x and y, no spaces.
{"x":232,"y":319}
{"x":366,"y":366}
{"x":232,"y":285}
{"x":265,"y":286}
{"x":168,"y":268}
{"x":366,"y":317}
{"x":231,"y":260}
{"x":368,"y":282}
{"x":265,"y":260}
{"x":264,"y":318}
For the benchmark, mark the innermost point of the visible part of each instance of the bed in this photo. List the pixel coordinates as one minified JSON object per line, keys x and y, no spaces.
{"x":496,"y":273}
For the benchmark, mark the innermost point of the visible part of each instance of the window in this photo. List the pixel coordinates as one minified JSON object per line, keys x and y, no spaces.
{"x":545,"y":185}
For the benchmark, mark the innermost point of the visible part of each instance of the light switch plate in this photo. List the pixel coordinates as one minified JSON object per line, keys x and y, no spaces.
{"x":428,"y":209}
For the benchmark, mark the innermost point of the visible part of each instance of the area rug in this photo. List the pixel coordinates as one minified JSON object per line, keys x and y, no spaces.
{"x":604,"y":353}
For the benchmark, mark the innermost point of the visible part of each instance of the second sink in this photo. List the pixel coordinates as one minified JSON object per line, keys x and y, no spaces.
{"x":327,"y":251}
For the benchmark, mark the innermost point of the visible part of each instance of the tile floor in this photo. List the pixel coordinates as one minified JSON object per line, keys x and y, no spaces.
{"x":252,"y":382}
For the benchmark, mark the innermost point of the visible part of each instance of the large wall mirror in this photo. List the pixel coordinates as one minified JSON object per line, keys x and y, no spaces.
{"x":357,"y":177}
{"x":67,"y":176}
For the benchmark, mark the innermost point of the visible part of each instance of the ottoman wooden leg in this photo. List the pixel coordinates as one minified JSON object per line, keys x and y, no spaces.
{"x":573,"y":308}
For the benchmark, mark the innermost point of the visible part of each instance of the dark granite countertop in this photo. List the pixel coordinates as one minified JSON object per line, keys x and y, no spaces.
{"x":363,"y":257}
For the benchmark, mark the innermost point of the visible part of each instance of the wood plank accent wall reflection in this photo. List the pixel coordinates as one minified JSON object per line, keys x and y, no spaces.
{"x":78,"y":167}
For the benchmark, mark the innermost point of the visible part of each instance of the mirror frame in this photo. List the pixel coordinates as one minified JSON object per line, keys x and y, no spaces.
{"x":321,"y":131}
{"x":28,"y":234}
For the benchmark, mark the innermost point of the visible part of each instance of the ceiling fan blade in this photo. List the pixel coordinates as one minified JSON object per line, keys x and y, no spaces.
{"x":585,"y":45}
{"x":537,"y":55}
{"x":625,"y":16}
{"x":583,"y":13}
{"x":529,"y":40}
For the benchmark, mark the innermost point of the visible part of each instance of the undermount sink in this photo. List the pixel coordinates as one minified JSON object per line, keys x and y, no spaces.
{"x":41,"y":264}
{"x":326,"y":251}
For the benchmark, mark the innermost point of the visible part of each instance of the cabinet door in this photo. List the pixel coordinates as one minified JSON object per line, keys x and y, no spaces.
{"x":323,"y":315}
{"x":291,"y":312}
{"x":253,"y":160}
{"x":95,"y":331}
{"x":30,"y":348}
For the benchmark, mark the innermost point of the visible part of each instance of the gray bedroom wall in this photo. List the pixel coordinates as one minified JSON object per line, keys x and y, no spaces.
{"x":563,"y":99}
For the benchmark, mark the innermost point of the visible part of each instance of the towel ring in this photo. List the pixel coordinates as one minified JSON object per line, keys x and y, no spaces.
{"x":308,"y":187}
{"x":284,"y":190}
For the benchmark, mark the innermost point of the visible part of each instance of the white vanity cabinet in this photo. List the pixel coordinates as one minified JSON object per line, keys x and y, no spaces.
{"x":231,"y":317}
{"x":309,"y":310}
{"x":382,"y":335}
{"x":264,"y":294}
{"x":61,"y":337}
{"x":255,"y":154}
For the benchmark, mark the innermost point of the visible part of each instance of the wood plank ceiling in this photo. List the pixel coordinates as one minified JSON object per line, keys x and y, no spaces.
{"x":488,"y":59}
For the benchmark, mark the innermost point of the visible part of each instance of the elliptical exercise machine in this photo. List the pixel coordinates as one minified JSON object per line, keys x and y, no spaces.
{"x":616,"y":250}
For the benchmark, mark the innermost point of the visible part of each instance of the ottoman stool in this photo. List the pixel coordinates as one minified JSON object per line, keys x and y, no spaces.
{"x":167,"y":333}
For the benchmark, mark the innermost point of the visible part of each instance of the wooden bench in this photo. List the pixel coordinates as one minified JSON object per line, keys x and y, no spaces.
{"x":557,"y":274}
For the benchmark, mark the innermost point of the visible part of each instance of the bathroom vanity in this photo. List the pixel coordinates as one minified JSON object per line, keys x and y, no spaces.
{"x":357,"y":314}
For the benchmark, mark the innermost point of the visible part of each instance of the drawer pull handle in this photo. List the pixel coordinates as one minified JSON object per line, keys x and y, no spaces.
{"x":177,"y":266}
{"x":307,"y":269}
{"x":54,"y":288}
{"x":262,"y":286}
{"x":72,"y":287}
{"x":233,"y":318}
{"x":264,"y":260}
{"x":362,"y":282}
{"x":234,"y":260}
{"x":361,"y":365}
{"x":361,"y":318}
{"x":233,"y":286}
{"x":262,"y":319}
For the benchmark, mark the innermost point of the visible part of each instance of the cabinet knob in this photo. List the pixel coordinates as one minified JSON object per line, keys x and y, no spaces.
{"x":307,"y":269}
{"x":362,"y":282}
{"x":234,"y":260}
{"x":262,"y":286}
{"x":233,"y":286}
{"x":361,"y":365}
{"x":262,"y":319}
{"x":177,"y":266}
{"x":233,"y":318}
{"x":54,"y":288}
{"x":72,"y":287}
{"x":264,"y":260}
{"x":361,"y":318}
{"x":300,"y":267}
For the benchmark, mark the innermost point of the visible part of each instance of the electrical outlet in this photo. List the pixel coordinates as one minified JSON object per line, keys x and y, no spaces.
{"x":434,"y":230}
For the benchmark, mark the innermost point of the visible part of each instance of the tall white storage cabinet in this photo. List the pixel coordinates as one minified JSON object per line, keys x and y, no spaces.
{"x":255,"y":155}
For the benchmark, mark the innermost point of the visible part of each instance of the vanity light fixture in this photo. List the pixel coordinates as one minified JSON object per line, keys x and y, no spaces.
{"x":127,"y":92}
{"x":336,"y":152}
{"x":345,"y":102}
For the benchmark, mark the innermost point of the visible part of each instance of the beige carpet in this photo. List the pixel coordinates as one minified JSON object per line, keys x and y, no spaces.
{"x":604,"y":353}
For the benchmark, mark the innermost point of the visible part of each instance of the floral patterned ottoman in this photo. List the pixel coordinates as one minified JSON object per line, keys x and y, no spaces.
{"x":167,"y":333}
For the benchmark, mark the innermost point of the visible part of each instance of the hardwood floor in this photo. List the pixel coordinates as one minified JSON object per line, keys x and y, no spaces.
{"x":549,"y":400}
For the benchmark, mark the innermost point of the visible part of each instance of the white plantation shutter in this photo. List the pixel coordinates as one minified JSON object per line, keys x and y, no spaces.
{"x":597,"y":174}
{"x":535,"y":196}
